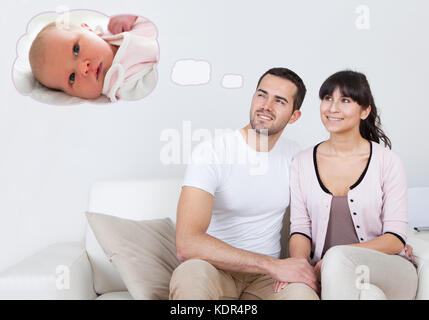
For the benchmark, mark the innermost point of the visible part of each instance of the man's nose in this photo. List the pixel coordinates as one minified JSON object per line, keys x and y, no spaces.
{"x":84,"y":67}
{"x":267,"y":105}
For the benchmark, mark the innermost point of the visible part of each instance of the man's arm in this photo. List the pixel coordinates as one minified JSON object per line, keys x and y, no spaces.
{"x":192,"y":242}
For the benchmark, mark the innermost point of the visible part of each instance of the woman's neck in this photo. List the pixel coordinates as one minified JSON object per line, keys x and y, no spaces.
{"x":345,"y":145}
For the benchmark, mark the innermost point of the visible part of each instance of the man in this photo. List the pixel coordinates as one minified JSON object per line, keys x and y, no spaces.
{"x":230,"y":215}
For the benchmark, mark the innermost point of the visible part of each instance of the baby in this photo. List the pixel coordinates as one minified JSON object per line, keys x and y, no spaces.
{"x":86,"y":64}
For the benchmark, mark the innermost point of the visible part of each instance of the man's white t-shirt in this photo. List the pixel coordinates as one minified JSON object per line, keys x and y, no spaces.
{"x":250,"y":190}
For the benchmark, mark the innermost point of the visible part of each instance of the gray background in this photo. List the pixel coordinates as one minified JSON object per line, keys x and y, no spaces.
{"x":50,"y":155}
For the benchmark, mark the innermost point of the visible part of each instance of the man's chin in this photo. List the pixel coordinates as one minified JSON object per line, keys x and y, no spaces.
{"x":263,"y":131}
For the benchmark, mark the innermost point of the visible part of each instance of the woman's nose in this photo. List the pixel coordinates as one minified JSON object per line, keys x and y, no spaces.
{"x":334,"y":106}
{"x":84,"y":67}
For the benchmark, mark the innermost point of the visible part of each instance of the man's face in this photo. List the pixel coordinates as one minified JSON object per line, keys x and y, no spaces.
{"x":272,"y":105}
{"x":76,"y":62}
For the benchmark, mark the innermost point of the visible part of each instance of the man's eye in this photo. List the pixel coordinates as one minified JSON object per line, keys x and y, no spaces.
{"x":280,"y":101}
{"x":72,"y":78}
{"x":76,"y":49}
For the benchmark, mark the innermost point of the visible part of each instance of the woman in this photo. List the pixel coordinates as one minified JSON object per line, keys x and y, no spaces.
{"x":349,"y":200}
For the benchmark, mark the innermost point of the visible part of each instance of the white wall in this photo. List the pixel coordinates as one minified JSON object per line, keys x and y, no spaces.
{"x":49,"y":156}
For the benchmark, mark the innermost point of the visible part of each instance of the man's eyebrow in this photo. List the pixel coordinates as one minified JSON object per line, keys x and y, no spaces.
{"x":277,"y":97}
{"x":282,"y":98}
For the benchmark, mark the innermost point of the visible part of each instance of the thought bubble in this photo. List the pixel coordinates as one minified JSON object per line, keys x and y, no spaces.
{"x":191,"y":72}
{"x":232,"y":81}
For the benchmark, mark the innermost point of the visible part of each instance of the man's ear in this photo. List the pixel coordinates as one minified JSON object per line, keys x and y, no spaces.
{"x":295,"y":116}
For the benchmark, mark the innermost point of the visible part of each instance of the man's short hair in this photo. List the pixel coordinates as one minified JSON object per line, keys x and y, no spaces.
{"x":294,"y":78}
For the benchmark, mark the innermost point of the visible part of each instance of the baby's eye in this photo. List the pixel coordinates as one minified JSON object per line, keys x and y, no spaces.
{"x":76,"y":49}
{"x":72,"y":78}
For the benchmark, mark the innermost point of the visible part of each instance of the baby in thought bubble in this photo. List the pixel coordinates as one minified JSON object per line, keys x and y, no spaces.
{"x":86,"y":64}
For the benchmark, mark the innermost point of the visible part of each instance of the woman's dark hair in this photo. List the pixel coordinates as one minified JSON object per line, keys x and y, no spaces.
{"x":355,"y":86}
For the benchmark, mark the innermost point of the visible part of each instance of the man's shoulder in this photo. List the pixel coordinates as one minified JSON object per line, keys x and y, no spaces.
{"x":288,"y":146}
{"x":220,"y":140}
{"x":217,"y":147}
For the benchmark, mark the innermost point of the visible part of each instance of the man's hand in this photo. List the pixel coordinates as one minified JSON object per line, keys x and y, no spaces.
{"x":121,"y":23}
{"x":294,"y":270}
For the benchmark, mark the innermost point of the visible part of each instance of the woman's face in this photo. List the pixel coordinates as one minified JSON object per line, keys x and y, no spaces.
{"x":341,"y":114}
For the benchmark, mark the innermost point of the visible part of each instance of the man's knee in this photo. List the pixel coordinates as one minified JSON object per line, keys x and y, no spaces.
{"x":190,"y":279}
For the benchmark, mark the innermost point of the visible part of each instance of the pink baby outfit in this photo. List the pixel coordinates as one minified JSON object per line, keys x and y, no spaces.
{"x":132,"y":74}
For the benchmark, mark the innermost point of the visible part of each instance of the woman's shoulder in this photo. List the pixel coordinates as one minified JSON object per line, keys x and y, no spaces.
{"x":385,"y":155}
{"x":305,"y":155}
{"x":382,"y":150}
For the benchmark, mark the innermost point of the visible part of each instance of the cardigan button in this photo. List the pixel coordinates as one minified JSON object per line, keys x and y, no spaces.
{"x":351,"y":200}
{"x":357,"y":227}
{"x":361,"y":239}
{"x":354,"y":213}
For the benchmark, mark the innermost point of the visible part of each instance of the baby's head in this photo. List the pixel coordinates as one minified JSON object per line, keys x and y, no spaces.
{"x":72,"y":59}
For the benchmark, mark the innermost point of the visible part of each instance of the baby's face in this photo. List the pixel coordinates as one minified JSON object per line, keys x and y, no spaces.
{"x":76,"y":61}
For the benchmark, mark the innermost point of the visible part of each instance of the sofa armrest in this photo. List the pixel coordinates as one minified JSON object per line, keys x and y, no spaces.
{"x":60,"y":271}
{"x":421,"y":254}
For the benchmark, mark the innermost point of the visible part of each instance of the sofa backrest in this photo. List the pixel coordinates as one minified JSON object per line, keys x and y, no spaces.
{"x":133,"y":199}
{"x":418,"y":207}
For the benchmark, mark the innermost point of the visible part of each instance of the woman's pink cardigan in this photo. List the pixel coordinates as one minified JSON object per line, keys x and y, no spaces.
{"x":378,"y":203}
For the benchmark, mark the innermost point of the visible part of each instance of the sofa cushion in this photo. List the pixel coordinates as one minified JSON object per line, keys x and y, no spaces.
{"x":143,"y":252}
{"x":130,"y":199}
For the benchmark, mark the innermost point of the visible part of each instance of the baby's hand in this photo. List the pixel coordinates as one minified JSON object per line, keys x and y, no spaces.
{"x":121,"y":23}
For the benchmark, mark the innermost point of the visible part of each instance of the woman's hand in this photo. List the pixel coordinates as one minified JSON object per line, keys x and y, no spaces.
{"x":409,"y":253}
{"x":121,"y":23}
{"x":318,"y":270}
{"x":279,"y":285}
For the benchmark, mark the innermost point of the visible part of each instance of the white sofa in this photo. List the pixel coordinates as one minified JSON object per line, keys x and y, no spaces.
{"x":80,"y":270}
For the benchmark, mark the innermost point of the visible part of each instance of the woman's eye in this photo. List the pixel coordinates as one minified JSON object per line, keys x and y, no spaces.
{"x":329,"y":98}
{"x":72,"y":78}
{"x":76,"y":49}
{"x":346,"y":100}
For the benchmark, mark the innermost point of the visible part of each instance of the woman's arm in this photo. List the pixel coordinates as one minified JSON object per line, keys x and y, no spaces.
{"x":299,"y":246}
{"x":386,"y":243}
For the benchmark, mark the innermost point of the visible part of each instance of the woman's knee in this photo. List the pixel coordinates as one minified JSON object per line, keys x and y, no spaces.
{"x":336,"y":256}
